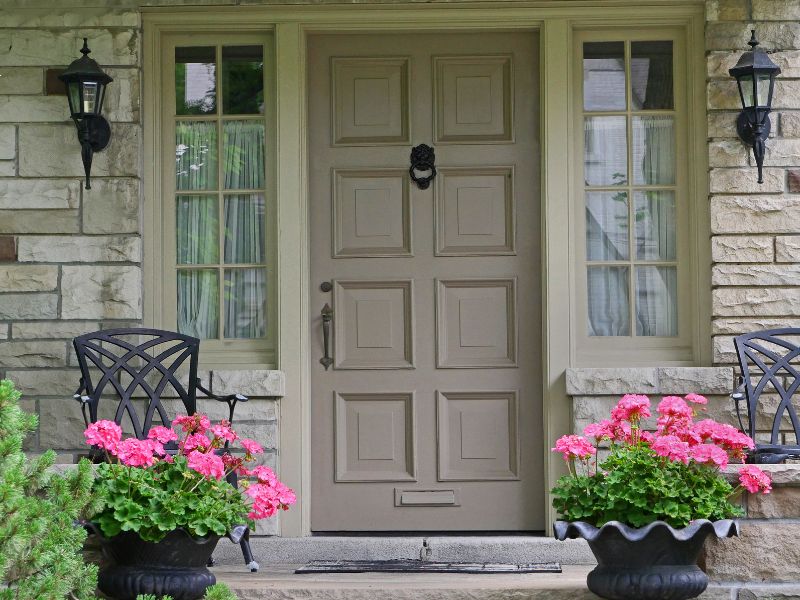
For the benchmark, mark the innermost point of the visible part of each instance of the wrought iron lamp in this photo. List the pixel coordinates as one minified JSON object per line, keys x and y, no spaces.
{"x":755,"y":76}
{"x":86,"y":89}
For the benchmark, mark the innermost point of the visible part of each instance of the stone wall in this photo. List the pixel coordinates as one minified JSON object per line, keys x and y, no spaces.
{"x":755,"y":228}
{"x":71,"y":258}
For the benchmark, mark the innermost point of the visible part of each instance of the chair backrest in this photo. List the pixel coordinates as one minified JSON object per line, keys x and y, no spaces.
{"x":770,"y":365}
{"x":134,"y":364}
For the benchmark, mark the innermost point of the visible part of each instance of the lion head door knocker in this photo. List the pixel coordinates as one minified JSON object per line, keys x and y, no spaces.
{"x":423,"y":166}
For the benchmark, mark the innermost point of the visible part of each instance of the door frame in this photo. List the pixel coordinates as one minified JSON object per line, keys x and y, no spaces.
{"x":555,"y":21}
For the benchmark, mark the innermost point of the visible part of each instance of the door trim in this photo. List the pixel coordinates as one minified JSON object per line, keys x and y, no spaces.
{"x":292,"y":24}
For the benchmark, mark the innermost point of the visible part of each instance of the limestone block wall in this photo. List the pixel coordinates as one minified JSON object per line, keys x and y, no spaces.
{"x":755,"y":233}
{"x":71,"y":258}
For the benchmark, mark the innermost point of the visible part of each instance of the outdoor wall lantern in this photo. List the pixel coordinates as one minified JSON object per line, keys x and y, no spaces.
{"x":86,"y":86}
{"x":755,"y":75}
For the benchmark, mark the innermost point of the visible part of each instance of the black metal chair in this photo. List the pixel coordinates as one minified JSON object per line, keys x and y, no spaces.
{"x":142,"y":364}
{"x":770,"y":364}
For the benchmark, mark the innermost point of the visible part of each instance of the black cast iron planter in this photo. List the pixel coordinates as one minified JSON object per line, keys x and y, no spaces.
{"x":655,"y":562}
{"x":174,"y":566}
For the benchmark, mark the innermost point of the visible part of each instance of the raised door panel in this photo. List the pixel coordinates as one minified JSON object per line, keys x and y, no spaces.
{"x":375,"y":437}
{"x":474,"y":212}
{"x":371,"y":213}
{"x":476,"y":323}
{"x":473,"y":99}
{"x":477,"y":435}
{"x":370,"y":101}
{"x":373,"y":324}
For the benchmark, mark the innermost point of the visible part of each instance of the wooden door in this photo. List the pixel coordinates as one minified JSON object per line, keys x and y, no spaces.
{"x":430,"y":416}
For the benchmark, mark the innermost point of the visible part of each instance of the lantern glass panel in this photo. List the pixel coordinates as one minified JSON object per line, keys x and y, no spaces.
{"x":89,"y":97}
{"x":101,"y":96}
{"x":74,"y":95}
{"x":746,"y":88}
{"x":762,"y":85}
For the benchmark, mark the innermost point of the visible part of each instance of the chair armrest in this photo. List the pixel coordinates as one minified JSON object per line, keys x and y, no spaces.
{"x":738,"y":395}
{"x":230,"y":399}
{"x":83,"y":399}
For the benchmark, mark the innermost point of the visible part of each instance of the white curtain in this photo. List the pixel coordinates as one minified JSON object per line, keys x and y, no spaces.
{"x":609,"y":311}
{"x":198,"y":235}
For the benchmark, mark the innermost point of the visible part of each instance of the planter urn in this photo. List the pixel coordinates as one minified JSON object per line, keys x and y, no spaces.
{"x":174,"y":566}
{"x":654,"y":562}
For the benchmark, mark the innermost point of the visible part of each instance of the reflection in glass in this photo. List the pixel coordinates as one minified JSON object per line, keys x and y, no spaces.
{"x":651,"y":76}
{"x":606,"y":226}
{"x":198,"y":303}
{"x":243,"y":148}
{"x":197,"y":222}
{"x":605,"y":151}
{"x":654,"y":218}
{"x":244,"y":229}
{"x":195,"y":81}
{"x":653,"y":150}
{"x":245,"y":303}
{"x":603,"y":76}
{"x":195,"y":155}
{"x":242,"y":80}
{"x":609,"y":306}
{"x":657,"y":301}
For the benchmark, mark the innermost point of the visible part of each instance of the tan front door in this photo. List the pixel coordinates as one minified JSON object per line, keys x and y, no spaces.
{"x":430,"y":415}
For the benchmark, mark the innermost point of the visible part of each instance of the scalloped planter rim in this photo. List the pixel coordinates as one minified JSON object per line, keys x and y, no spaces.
{"x":654,"y":562}
{"x":174,"y":566}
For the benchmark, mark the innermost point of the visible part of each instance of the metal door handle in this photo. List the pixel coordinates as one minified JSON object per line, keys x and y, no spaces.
{"x":327,"y":316}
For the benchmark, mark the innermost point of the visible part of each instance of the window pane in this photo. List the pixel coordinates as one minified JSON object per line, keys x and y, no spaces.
{"x":195,"y":155}
{"x":654,"y":217}
{"x":198,"y":230}
{"x":657,"y":301}
{"x":609,"y":307}
{"x":604,"y":76}
{"x":195,"y":81}
{"x":651,"y":75}
{"x":245,"y":303}
{"x":243,"y":147}
{"x":242,"y":80}
{"x":653,"y":150}
{"x":198,"y":303}
{"x":605,"y":154}
{"x":244,"y":229}
{"x":607,"y":226}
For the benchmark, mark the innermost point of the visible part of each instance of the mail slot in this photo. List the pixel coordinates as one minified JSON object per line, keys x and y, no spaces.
{"x":426,"y":497}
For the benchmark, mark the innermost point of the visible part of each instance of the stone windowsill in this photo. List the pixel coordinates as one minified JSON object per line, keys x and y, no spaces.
{"x":649,"y":380}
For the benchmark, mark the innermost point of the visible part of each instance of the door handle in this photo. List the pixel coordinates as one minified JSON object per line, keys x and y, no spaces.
{"x":327,"y":316}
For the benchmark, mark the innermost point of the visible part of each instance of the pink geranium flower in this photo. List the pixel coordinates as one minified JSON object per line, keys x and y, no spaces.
{"x":574,"y":446}
{"x":224,"y":432}
{"x":161,"y":434}
{"x":136,"y":453}
{"x":696,"y":399}
{"x":264,"y":475}
{"x":207,"y":464}
{"x":754,"y":480}
{"x":251,"y":446}
{"x":600,"y":431}
{"x":104,"y":434}
{"x":631,"y":408}
{"x":196,"y":441}
{"x":672,"y":448}
{"x":196,"y":423}
{"x":674,"y":407}
{"x":709,"y":454}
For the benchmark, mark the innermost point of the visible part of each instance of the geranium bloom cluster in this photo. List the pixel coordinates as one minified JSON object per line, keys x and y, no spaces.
{"x":678,"y":438}
{"x":205,"y":447}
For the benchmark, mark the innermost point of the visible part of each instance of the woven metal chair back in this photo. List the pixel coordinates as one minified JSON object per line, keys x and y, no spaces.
{"x":142,"y":370}
{"x":770,"y":362}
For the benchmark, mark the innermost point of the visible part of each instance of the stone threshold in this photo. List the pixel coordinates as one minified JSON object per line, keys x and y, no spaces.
{"x":280,"y":583}
{"x":514,"y":549}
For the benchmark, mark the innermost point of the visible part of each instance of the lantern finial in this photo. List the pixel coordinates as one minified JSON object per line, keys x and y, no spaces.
{"x":753,"y":41}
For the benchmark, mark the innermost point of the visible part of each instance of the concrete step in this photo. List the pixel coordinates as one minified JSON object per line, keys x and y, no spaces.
{"x":495,"y":549}
{"x":280,"y":583}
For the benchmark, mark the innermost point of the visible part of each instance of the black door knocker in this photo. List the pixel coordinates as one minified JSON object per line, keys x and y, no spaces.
{"x":423,"y":159}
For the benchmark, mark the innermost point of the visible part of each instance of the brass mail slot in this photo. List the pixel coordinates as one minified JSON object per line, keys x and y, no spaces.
{"x":426,"y":497}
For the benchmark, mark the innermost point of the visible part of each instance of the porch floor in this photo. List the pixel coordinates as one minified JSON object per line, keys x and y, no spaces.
{"x":278,"y":582}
